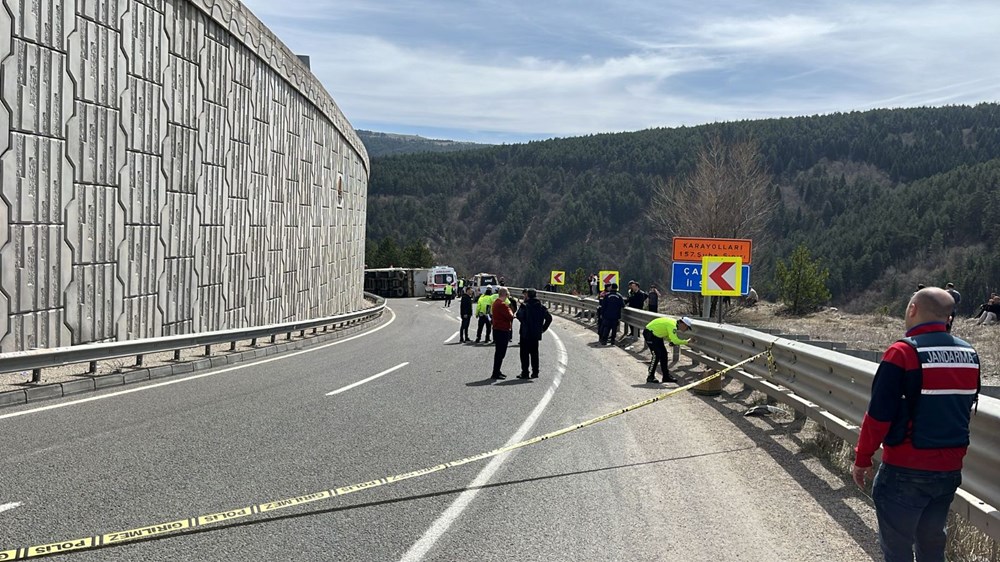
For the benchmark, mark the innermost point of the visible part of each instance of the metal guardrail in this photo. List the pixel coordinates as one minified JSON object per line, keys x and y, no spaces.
{"x":36,"y":360}
{"x":830,"y":387}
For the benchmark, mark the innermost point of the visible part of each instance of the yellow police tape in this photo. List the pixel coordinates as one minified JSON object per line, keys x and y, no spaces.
{"x":213,"y":518}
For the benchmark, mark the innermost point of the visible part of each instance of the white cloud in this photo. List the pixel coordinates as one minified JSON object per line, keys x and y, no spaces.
{"x":567,"y":68}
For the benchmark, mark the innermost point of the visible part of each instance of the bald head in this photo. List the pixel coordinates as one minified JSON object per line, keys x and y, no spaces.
{"x":929,"y":304}
{"x":503,"y":292}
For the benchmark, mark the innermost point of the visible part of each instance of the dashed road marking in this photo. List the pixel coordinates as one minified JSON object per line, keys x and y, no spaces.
{"x":369,"y":379}
{"x":200,"y":376}
{"x":9,"y":506}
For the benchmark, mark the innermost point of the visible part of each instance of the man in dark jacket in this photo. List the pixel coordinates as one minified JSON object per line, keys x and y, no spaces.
{"x":465,"y":309}
{"x":534,"y":319}
{"x":610,"y":313}
{"x":636,"y":299}
{"x":653,"y":299}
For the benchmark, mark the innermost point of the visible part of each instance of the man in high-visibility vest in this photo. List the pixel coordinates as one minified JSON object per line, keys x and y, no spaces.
{"x":483,"y":311}
{"x":654,"y":334}
{"x":449,"y":293}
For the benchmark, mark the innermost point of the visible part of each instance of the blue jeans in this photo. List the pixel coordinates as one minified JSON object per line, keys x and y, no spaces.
{"x":912,"y":509}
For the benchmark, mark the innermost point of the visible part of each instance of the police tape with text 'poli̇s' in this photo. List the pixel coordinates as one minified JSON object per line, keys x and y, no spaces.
{"x":170,"y":527}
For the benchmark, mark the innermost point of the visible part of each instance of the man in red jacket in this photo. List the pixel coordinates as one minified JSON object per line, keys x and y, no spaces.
{"x":919,"y":413}
{"x":503,"y":329}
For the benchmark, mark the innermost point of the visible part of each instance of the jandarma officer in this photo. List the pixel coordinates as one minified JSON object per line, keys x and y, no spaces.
{"x":921,"y":405}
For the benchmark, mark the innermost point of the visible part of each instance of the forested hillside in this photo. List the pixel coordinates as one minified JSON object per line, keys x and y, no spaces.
{"x":886,"y":199}
{"x":384,"y":144}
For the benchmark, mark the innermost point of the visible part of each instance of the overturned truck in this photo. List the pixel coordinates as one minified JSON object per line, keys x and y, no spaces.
{"x":396,"y":282}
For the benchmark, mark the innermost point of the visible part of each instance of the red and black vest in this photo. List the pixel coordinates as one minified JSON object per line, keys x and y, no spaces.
{"x":939,"y":394}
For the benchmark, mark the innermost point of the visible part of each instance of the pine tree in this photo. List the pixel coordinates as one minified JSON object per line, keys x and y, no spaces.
{"x":802,"y":283}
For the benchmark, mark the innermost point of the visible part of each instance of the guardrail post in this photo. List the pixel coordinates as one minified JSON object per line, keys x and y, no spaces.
{"x":177,"y":355}
{"x":232,"y":346}
{"x":208,"y":350}
{"x":288,"y":336}
{"x":36,"y":375}
{"x":302,"y":333}
{"x":253,"y":342}
{"x":274,"y":337}
{"x":93,"y":368}
{"x":138,"y":360}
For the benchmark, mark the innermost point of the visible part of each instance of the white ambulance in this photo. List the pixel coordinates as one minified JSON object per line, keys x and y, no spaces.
{"x":437,"y":278}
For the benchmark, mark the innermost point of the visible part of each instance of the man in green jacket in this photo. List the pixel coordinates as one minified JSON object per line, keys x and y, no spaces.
{"x":654,"y":334}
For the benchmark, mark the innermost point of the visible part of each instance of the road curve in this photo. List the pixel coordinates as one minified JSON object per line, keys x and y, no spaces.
{"x":685,"y":479}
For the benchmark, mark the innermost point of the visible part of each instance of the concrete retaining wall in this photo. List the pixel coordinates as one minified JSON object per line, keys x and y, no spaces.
{"x":168,"y":166}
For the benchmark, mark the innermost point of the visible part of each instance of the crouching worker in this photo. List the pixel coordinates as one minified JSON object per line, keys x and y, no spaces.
{"x":654,"y":334}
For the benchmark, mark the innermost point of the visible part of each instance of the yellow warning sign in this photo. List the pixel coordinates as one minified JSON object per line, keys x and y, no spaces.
{"x":557,"y":278}
{"x":607,"y":278}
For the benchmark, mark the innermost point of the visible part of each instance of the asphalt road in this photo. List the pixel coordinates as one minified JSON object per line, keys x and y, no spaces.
{"x":685,"y":479}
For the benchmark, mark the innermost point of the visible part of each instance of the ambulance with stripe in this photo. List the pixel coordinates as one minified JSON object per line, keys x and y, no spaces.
{"x":437,"y":278}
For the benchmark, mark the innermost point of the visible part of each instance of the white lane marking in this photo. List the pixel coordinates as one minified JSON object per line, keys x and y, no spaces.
{"x":9,"y":506}
{"x":451,"y":338}
{"x":209,"y":374}
{"x":369,"y":379}
{"x":450,"y":515}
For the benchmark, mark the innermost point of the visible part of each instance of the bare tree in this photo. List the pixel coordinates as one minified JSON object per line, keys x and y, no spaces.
{"x":727,"y":196}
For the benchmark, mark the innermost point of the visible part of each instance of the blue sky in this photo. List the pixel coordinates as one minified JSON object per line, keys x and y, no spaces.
{"x":513,"y":71}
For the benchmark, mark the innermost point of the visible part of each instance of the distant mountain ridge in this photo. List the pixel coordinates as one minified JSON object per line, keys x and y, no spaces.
{"x":385,"y":144}
{"x":885,"y":199}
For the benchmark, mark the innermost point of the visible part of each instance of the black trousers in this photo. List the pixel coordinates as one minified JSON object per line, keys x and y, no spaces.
{"x":484,"y":321}
{"x":529,"y":354}
{"x":463,"y":333}
{"x":501,"y":340}
{"x":608,"y":330}
{"x":659,"y":353}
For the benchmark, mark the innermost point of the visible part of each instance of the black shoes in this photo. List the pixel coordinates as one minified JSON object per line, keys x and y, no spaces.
{"x":498,"y":377}
{"x":667,"y":378}
{"x":523,"y":376}
{"x":652,"y":380}
{"x":534,"y":375}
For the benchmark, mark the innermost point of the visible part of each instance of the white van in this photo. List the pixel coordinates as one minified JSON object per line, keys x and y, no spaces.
{"x":482,"y":280}
{"x":437,"y":278}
